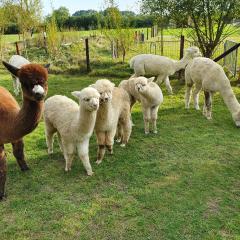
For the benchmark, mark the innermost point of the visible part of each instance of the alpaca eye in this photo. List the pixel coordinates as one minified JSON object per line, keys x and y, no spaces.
{"x":87,"y":99}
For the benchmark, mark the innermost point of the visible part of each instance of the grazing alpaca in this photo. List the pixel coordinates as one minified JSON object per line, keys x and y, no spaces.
{"x":160,"y":66}
{"x":73,"y":124}
{"x":15,"y":122}
{"x":17,"y":61}
{"x":210,"y":76}
{"x":113,"y":112}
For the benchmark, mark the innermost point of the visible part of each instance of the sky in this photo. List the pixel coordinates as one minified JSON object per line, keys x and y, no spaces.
{"x":75,"y":5}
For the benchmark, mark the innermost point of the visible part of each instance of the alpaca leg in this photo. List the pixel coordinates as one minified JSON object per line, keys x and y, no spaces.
{"x":60,"y":141}
{"x":196,"y":96}
{"x":110,"y":140}
{"x":49,"y":133}
{"x":208,"y":105}
{"x":101,"y":146}
{"x":127,"y":129}
{"x":154,"y":116}
{"x":84,"y":156}
{"x":188,"y":94}
{"x":119,"y":133}
{"x":147,"y":117}
{"x":18,"y":152}
{"x":168,"y":85}
{"x":3,"y":172}
{"x":159,"y":79}
{"x":68,"y":151}
{"x":133,"y":101}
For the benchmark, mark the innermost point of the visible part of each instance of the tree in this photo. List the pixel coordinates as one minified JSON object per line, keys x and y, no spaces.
{"x":209,"y":21}
{"x":28,"y":14}
{"x":61,"y":15}
{"x":159,"y":9}
{"x":120,"y":37}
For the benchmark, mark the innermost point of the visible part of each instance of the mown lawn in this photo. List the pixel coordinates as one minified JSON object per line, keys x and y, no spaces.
{"x":182,"y":183}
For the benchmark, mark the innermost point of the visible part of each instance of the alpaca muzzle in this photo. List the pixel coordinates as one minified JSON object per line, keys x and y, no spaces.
{"x":38,"y":92}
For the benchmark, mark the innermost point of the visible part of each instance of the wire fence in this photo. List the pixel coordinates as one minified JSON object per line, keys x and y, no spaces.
{"x":100,"y":50}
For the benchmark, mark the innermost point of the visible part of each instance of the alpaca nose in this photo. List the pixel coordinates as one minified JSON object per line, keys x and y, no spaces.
{"x":105,"y":99}
{"x":39,"y":96}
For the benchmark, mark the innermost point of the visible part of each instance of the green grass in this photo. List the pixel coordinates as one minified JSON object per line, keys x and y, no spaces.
{"x":182,"y":183}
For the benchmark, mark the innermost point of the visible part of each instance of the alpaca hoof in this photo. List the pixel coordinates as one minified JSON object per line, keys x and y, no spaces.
{"x":98,"y":162}
{"x":209,"y":117}
{"x":24,"y":168}
{"x":146,"y":132}
{"x":197,"y":108}
{"x":187,"y":107}
{"x":67,"y":169}
{"x":155,"y":131}
{"x":3,"y":197}
{"x":123,"y":145}
{"x":118,"y":140}
{"x":90,"y":173}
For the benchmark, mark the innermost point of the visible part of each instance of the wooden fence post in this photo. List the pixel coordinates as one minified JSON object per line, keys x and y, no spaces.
{"x":17,"y":48}
{"x":87,"y":55}
{"x":147,"y":33}
{"x":181,"y":72}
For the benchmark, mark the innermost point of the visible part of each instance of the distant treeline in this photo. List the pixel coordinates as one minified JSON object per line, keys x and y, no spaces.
{"x":93,"y":22}
{"x":90,"y":19}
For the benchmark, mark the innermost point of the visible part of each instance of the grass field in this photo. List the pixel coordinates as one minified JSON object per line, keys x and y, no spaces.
{"x":182,"y":183}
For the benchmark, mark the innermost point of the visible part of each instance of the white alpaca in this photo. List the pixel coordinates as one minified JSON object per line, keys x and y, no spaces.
{"x":151,"y":97}
{"x":74,"y":124}
{"x":160,"y":66}
{"x":114,"y":111}
{"x":17,"y":61}
{"x":129,"y":87}
{"x":206,"y":74}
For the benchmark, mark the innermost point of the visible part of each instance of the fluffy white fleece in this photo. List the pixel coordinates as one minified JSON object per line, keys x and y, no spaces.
{"x":151,"y":97}
{"x":17,"y":61}
{"x":161,"y":66}
{"x":74,"y":124}
{"x":114,"y":110}
{"x":206,"y":74}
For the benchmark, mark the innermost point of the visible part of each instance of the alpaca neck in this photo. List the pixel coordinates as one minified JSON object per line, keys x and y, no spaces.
{"x":146,"y":94}
{"x":230,"y":99}
{"x":86,"y":120}
{"x":28,"y":117}
{"x":181,"y":64}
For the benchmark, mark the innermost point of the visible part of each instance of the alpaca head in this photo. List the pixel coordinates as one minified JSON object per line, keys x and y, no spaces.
{"x":141,"y":83}
{"x":88,"y":98}
{"x":105,"y":89}
{"x":33,"y":79}
{"x":192,"y":52}
{"x":236,"y":118}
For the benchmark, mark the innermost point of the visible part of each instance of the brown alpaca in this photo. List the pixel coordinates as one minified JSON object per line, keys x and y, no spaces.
{"x":15,"y":122}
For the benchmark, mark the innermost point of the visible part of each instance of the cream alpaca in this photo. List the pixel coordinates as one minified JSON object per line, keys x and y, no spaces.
{"x":74,"y":124}
{"x":210,"y":76}
{"x":114,"y":110}
{"x":160,"y":66}
{"x":150,"y":97}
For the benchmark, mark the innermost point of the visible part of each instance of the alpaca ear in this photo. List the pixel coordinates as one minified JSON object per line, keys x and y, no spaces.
{"x":113,"y":84}
{"x":12,"y":69}
{"x":76,"y":94}
{"x":151,"y":79}
{"x":47,"y":66}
